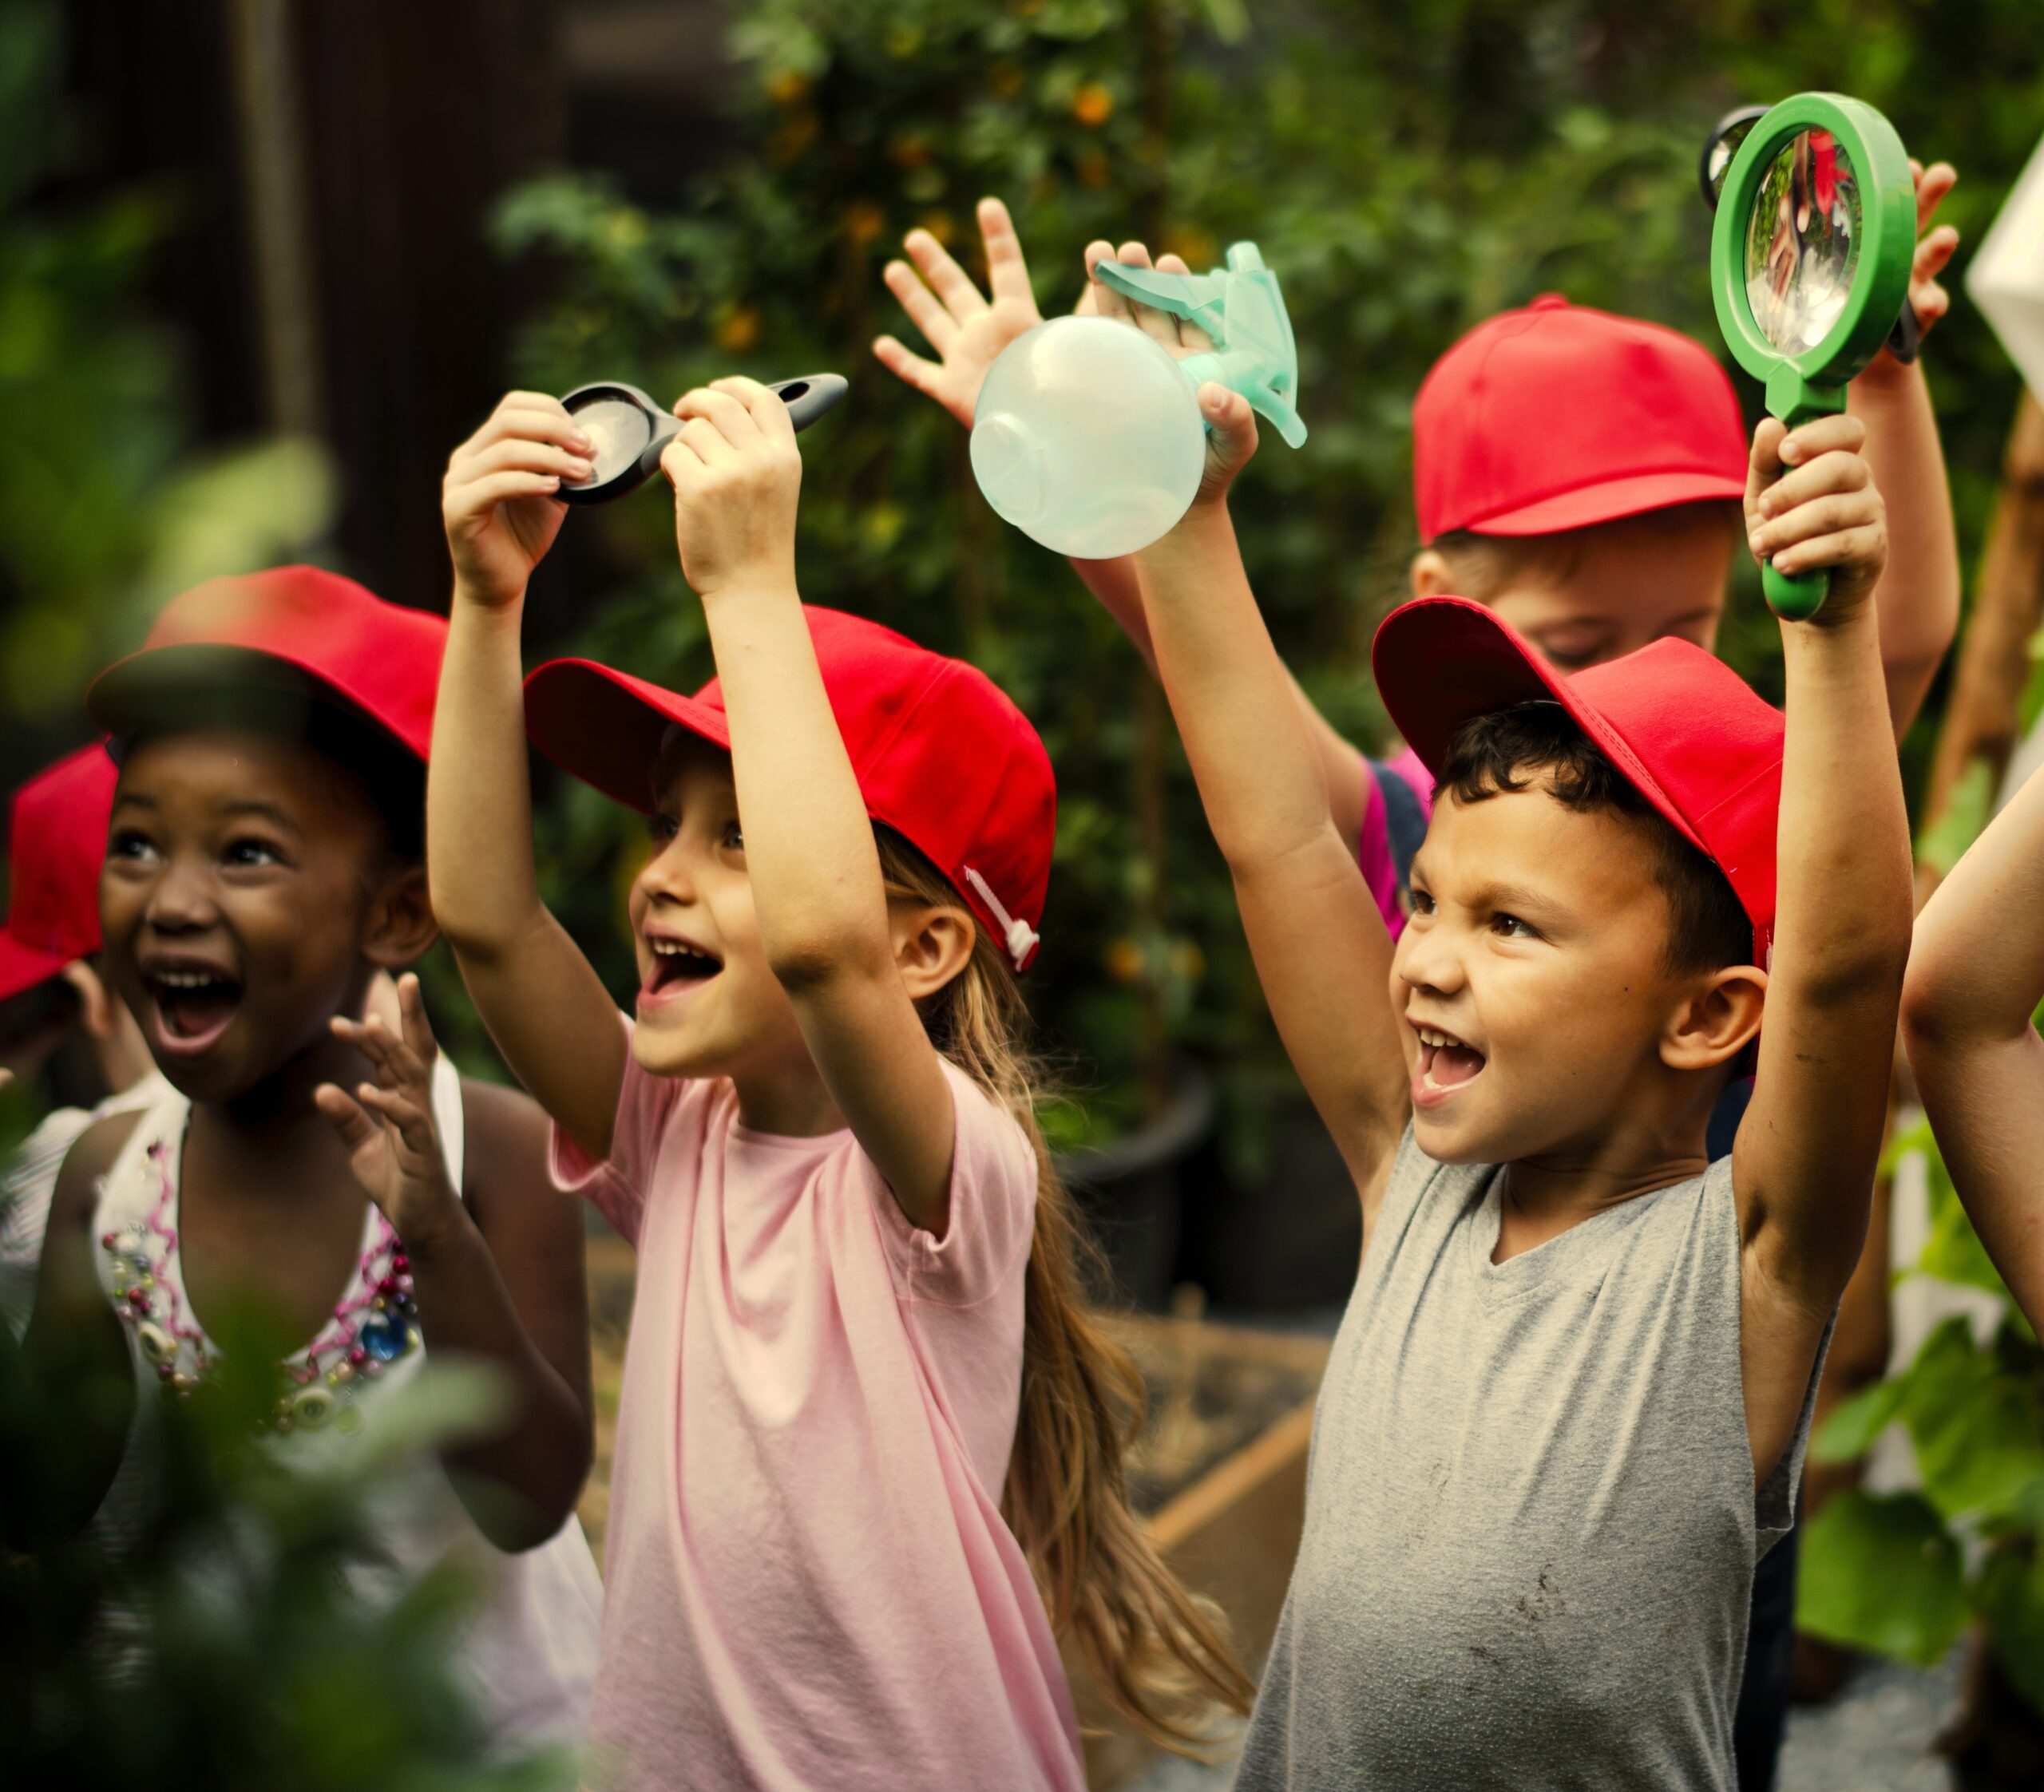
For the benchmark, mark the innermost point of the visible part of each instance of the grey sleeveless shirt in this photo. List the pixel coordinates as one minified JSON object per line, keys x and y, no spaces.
{"x":1530,"y":1523}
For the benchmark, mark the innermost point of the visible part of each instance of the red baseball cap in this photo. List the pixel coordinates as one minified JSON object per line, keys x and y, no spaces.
{"x":941,"y":755}
{"x":1682,"y":728}
{"x":295,"y":627}
{"x":55,"y":845}
{"x":1556,"y":417}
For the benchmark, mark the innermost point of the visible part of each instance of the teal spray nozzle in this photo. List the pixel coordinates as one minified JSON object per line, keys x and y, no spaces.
{"x":1087,"y":436}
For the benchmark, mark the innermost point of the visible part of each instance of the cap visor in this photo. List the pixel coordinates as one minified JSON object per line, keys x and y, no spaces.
{"x":1607,"y":503}
{"x":1440,"y":661}
{"x":173,"y":684}
{"x":24,"y":966}
{"x":605,"y":727}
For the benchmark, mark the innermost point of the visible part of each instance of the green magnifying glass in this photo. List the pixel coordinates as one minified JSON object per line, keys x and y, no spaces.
{"x":1810,"y":256}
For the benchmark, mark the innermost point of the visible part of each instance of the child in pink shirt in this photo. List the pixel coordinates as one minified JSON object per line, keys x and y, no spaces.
{"x":868,"y":1445}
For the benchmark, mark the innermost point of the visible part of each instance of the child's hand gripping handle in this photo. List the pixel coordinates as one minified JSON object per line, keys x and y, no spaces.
{"x":1793,"y":595}
{"x":1797,"y":596}
{"x":1815,"y":519}
{"x":1242,"y":312}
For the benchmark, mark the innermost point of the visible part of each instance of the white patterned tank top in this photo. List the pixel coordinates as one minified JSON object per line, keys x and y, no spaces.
{"x":528,"y":1655}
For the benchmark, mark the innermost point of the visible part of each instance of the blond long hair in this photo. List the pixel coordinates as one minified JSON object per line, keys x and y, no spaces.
{"x":1159,"y":1651}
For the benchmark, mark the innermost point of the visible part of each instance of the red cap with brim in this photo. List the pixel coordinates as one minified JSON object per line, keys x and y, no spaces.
{"x":56,"y":841}
{"x":1558,"y":416}
{"x":1681,"y":727}
{"x":941,"y":755}
{"x":297,"y":629}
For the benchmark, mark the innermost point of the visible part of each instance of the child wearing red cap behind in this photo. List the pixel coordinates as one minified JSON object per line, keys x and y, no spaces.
{"x":1565,"y":1412}
{"x":262,"y":870}
{"x":53,"y":999}
{"x":868,"y":1432}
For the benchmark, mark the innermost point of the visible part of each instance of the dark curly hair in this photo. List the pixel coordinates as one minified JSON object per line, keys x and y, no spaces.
{"x":1540,"y":745}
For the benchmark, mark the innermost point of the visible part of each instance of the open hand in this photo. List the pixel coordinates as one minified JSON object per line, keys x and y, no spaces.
{"x":1811,"y":503}
{"x":1934,"y":247}
{"x":387,"y":1126}
{"x":1231,"y":433}
{"x":967,"y":329}
{"x":737,"y":476}
{"x":498,"y":500}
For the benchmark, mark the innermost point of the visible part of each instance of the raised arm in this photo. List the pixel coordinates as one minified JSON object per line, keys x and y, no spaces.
{"x":1976,"y":976}
{"x":968,"y":329}
{"x":1320,"y":945}
{"x":1918,"y":600}
{"x":496,"y":1266}
{"x":1804,"y":1163}
{"x":542,"y":1002}
{"x":809,"y":852}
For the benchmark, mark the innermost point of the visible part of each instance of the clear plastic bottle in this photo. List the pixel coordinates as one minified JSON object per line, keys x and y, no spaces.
{"x":1088,"y":438}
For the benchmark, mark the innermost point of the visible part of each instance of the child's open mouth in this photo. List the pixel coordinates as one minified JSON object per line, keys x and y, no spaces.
{"x":193,"y":1005}
{"x":677,"y":968}
{"x":1446,"y":1064}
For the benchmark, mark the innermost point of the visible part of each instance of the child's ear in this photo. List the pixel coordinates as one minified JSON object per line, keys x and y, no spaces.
{"x":932,"y":944}
{"x":399,"y":925}
{"x":97,"y":1008}
{"x":1430,"y":575}
{"x":1718,"y":1021}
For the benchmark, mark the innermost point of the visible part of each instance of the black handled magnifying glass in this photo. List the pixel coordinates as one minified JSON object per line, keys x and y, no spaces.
{"x":1906,"y":339}
{"x":626,"y":430}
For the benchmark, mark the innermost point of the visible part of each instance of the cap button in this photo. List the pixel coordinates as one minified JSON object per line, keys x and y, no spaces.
{"x":1549,"y":301}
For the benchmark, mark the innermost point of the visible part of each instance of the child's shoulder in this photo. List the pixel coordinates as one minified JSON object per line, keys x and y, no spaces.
{"x":92,"y":1154}
{"x":990,"y":1129}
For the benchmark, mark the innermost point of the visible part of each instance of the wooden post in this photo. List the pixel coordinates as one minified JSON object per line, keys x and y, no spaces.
{"x":273,"y":173}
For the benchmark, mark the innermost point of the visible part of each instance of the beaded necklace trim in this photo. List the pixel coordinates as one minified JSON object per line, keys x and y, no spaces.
{"x":375,"y":1324}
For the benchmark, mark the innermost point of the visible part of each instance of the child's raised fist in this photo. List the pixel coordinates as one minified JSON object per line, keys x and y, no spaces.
{"x":498,"y":500}
{"x":1811,"y":505}
{"x":1231,"y":423}
{"x":737,"y":476}
{"x":1936,"y":243}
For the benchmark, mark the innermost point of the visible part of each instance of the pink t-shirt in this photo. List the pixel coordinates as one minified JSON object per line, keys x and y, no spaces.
{"x":808,"y":1581}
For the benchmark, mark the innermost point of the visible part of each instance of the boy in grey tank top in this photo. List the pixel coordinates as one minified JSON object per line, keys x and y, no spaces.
{"x":1565,"y":1412}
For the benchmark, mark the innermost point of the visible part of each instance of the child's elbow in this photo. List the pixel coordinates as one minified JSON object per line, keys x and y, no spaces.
{"x":1935,"y":1015}
{"x":815,"y":955}
{"x":469,"y":928}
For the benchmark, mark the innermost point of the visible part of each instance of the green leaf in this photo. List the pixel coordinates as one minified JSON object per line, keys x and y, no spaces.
{"x":1958,"y":825}
{"x":1879,"y":1571}
{"x":1227,"y":19}
{"x":1848,"y":1433}
{"x":1975,"y":1426}
{"x":2011,"y":1600}
{"x":1953,"y":1252}
{"x":1908,"y":1144}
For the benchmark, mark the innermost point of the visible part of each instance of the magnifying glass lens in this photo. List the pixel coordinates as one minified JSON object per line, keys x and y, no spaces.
{"x":1723,"y":147}
{"x":1802,"y":242}
{"x":617,"y":430}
